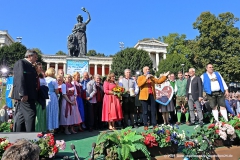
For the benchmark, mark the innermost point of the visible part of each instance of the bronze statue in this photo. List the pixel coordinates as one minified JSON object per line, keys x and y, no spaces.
{"x":77,"y":41}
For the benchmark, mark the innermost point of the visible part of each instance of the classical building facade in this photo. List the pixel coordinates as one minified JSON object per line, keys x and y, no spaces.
{"x":102,"y":65}
{"x":157,"y":50}
{"x":5,"y":38}
{"x":97,"y":65}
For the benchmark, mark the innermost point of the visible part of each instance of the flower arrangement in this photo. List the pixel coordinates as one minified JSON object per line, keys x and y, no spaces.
{"x":168,"y":135}
{"x":195,"y":150}
{"x":4,"y":144}
{"x":200,"y":142}
{"x":118,"y":91}
{"x":48,"y":147}
{"x":224,"y":130}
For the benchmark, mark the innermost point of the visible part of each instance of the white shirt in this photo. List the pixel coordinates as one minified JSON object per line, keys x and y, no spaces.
{"x":190,"y":86}
{"x":215,"y":84}
{"x":43,"y":82}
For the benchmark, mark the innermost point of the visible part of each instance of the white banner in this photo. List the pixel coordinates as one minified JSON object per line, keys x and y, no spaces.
{"x":80,"y":66}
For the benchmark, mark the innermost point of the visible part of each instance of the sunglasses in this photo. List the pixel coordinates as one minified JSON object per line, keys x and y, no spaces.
{"x":186,"y":75}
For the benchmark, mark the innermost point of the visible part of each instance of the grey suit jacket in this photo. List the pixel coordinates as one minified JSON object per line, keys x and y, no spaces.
{"x":91,"y":91}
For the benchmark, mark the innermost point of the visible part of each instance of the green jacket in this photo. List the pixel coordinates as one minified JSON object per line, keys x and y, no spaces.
{"x":181,"y":87}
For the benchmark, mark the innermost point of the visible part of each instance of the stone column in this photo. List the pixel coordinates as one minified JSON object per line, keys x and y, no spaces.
{"x":95,"y":69}
{"x":64,"y":68}
{"x":109,"y":68}
{"x":103,"y":70}
{"x":89,"y":68}
{"x":48,"y":65}
{"x":157,"y":60}
{"x":164,"y":55}
{"x":56,"y":68}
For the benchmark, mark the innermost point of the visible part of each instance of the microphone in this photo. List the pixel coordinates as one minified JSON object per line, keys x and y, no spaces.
{"x":147,"y":74}
{"x":92,"y":152}
{"x":75,"y":152}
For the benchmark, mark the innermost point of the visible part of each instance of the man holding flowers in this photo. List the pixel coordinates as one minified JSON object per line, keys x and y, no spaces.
{"x":147,"y":94}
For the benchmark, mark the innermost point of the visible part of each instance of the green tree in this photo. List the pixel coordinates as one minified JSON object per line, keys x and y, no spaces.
{"x":10,"y":54}
{"x":174,"y":62}
{"x":91,"y":53}
{"x":61,"y":53}
{"x":94,"y":53}
{"x":38,"y":51}
{"x":101,"y":55}
{"x":132,"y":59}
{"x":218,"y":43}
{"x":176,"y":43}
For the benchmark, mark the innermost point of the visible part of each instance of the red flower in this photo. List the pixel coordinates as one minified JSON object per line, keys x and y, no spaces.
{"x":2,"y":139}
{"x":223,"y":123}
{"x":187,"y":144}
{"x":217,"y":131}
{"x":211,"y":126}
{"x":167,"y":139}
{"x":39,"y":135}
{"x":55,"y":149}
{"x":238,"y":116}
{"x":167,"y":132}
{"x":51,"y":142}
{"x":150,"y":141}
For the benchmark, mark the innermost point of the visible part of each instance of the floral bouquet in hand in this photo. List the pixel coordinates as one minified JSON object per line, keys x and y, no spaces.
{"x":118,"y":91}
{"x":4,"y":144}
{"x":48,"y":147}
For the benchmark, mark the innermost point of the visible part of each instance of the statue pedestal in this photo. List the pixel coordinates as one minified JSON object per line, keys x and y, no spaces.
{"x":77,"y":64}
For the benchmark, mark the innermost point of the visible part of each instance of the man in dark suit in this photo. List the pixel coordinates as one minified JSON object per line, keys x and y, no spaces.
{"x":194,"y":92}
{"x":25,"y":88}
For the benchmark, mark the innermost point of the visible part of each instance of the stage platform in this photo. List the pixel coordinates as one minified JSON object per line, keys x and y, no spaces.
{"x":83,"y":142}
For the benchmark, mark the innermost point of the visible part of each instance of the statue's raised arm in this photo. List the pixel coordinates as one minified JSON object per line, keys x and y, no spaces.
{"x":89,"y":17}
{"x":77,"y":42}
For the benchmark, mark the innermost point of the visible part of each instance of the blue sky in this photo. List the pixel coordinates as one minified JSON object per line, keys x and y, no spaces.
{"x":45,"y":24}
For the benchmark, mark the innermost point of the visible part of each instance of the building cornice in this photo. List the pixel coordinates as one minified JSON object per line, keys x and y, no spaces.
{"x":5,"y":32}
{"x":151,"y":42}
{"x":63,"y":58}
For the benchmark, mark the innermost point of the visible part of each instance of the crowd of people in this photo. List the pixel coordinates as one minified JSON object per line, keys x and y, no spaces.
{"x":49,"y":101}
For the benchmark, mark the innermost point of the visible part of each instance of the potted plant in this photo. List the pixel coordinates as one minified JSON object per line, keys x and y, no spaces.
{"x":120,"y":145}
{"x":48,"y":147}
